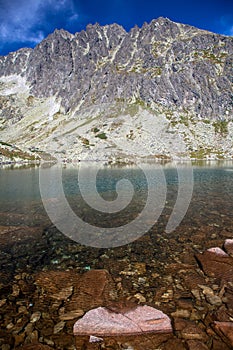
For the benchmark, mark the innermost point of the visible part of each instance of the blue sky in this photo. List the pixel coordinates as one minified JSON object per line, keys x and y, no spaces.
{"x":24,"y":23}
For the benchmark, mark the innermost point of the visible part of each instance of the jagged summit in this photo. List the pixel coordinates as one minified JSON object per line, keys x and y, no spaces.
{"x":171,"y":82}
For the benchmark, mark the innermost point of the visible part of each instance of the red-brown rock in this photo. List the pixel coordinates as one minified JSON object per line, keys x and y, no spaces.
{"x":218,"y":264}
{"x":229,"y":299}
{"x":196,"y":345}
{"x":93,"y":289}
{"x":174,"y":344}
{"x":35,"y":347}
{"x":189,"y":330}
{"x":78,"y":291}
{"x":225,"y":331}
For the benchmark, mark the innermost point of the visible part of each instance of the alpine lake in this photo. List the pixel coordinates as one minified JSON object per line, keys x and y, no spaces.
{"x":50,"y":278}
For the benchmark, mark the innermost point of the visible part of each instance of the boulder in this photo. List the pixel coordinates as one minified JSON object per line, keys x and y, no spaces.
{"x":104,"y":322}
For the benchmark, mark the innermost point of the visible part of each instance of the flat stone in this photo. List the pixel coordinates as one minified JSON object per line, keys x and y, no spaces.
{"x":35,"y":317}
{"x":210,"y":296}
{"x":93,"y":289}
{"x":225,"y":331}
{"x":174,"y":344}
{"x":63,"y":294}
{"x":59,"y":327}
{"x":71,"y":315}
{"x":196,"y":345}
{"x":189,"y":330}
{"x":217,"y":265}
{"x":35,"y":347}
{"x":55,"y":282}
{"x":192,"y":332}
{"x":183,"y":313}
{"x":219,"y":345}
{"x":142,"y":319}
{"x":229,"y":299}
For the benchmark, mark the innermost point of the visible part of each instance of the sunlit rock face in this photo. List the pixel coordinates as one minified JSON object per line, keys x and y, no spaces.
{"x":160,"y":90}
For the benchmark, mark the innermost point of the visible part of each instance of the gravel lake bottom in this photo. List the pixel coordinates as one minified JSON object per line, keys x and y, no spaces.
{"x":49,"y":281}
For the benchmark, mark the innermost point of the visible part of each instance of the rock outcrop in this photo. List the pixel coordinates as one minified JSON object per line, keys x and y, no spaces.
{"x":163,"y":90}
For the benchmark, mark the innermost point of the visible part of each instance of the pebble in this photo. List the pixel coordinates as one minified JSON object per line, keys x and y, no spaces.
{"x":19,"y":339}
{"x":29,"y":328}
{"x":48,"y":342}
{"x":15,"y":290}
{"x":181,"y":313}
{"x":35,"y":317}
{"x":6,"y":347}
{"x":94,"y":339}
{"x":58,"y":327}
{"x":71,"y":315}
{"x":10,"y":326}
{"x":32,"y":337}
{"x":22,"y":310}
{"x":2,"y":302}
{"x":140,"y":297}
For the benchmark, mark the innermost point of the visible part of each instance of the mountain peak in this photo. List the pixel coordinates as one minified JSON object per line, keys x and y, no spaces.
{"x":166,"y":80}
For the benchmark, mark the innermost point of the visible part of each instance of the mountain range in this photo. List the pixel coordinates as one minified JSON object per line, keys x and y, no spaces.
{"x":162,"y":91}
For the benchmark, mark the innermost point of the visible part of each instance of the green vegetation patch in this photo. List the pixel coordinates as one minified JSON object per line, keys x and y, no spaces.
{"x":16,"y":154}
{"x":201,"y":153}
{"x":184,"y":120}
{"x":206,"y":121}
{"x":85,"y":141}
{"x":218,"y":57}
{"x":221,"y":127}
{"x":101,"y":136}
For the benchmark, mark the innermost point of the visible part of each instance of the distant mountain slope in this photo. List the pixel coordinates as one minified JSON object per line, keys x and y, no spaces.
{"x":163,"y":90}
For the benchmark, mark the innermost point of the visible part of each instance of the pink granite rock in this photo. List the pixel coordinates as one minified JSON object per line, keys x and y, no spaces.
{"x":217,"y":251}
{"x":142,"y":319}
{"x":228,"y":246}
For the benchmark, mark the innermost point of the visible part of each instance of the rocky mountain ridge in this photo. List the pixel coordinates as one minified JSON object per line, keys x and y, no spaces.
{"x":160,"y":91}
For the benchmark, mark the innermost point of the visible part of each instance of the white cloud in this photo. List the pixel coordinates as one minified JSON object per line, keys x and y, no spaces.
{"x":17,"y":21}
{"x":27,"y":21}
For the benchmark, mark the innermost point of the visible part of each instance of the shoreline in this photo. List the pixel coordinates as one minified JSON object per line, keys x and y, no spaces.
{"x":120,"y":162}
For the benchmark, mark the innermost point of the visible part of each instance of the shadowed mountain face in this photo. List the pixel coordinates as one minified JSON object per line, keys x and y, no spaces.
{"x":161,"y":90}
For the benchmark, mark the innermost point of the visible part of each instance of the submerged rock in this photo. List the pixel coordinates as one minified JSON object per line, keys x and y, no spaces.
{"x":225,"y":331}
{"x":216,"y":263}
{"x":142,"y":319}
{"x":217,"y":251}
{"x":228,"y":246}
{"x":35,"y":347}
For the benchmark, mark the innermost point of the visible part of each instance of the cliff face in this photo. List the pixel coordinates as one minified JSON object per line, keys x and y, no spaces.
{"x":161,"y":90}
